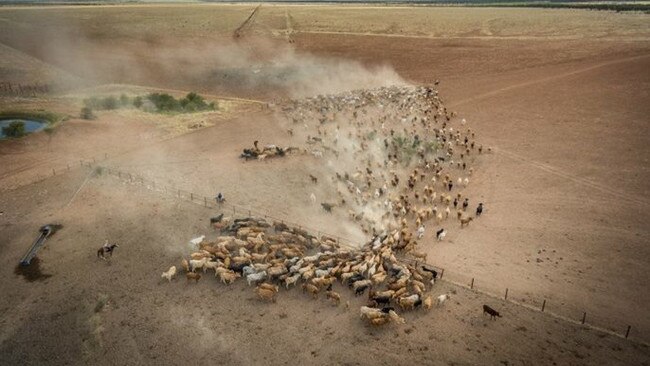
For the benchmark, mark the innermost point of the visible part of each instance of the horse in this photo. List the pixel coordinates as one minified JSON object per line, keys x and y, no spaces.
{"x":106,"y":249}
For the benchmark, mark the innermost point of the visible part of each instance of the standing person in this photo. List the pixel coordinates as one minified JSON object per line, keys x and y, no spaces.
{"x":220,"y":198}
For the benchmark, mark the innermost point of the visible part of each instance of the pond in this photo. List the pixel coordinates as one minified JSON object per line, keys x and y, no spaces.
{"x":30,"y":125}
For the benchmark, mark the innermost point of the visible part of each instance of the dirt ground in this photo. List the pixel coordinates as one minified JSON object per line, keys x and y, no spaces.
{"x":564,"y":106}
{"x":60,"y":319}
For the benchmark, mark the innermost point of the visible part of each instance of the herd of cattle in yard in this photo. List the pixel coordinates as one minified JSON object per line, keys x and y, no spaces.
{"x":271,"y":256}
{"x":395,"y":159}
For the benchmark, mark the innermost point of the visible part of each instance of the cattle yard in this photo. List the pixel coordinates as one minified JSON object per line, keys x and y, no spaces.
{"x":426,"y":210}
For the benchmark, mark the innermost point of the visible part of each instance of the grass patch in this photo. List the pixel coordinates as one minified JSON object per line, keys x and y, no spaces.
{"x":407,"y":148}
{"x":101,"y":303}
{"x":17,"y":129}
{"x":43,"y":116}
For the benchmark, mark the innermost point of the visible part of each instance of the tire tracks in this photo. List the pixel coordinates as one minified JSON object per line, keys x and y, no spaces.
{"x":578,"y":180}
{"x":546,"y":79}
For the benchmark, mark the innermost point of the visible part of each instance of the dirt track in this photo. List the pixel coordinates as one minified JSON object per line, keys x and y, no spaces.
{"x":566,"y":184}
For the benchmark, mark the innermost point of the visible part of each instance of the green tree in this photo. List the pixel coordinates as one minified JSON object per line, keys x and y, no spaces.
{"x":15,"y":129}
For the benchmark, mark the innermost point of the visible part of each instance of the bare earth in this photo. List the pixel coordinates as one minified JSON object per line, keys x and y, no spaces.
{"x":561,"y":95}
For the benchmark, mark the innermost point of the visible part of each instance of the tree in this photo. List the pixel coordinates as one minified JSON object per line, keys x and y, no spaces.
{"x":15,"y":129}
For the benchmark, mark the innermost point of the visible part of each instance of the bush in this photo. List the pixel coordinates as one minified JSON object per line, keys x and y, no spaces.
{"x":87,"y":113}
{"x":137,"y":102}
{"x":109,"y":103}
{"x":92,"y":102}
{"x":191,"y":103}
{"x":124,"y":100}
{"x":15,"y":129}
{"x":162,"y":102}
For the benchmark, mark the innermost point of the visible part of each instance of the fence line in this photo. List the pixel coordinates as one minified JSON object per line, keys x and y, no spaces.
{"x":211,"y":203}
{"x":471,"y":284}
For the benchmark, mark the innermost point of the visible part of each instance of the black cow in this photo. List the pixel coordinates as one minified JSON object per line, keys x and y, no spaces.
{"x":493,"y":313}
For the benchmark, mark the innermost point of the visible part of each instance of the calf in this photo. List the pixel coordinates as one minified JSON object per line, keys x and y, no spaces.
{"x":433,"y":272}
{"x":193,"y":276}
{"x":493,"y":313}
{"x":440,"y":234}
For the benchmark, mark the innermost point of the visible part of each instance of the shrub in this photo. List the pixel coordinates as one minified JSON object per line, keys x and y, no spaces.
{"x":92,"y":102}
{"x":15,"y":129}
{"x":109,"y":103}
{"x":164,"y":102}
{"x":191,"y":103}
{"x":124,"y":100}
{"x":87,"y":113}
{"x":137,"y":102}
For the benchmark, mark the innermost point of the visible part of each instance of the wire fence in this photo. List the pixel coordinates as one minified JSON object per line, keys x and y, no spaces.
{"x":556,"y":309}
{"x":53,"y":169}
{"x":211,"y":203}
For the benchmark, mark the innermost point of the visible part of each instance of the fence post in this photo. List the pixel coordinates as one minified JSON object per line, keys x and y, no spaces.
{"x":506,"y":298}
{"x":53,"y":171}
{"x":442,"y":272}
{"x":205,"y":201}
{"x":543,"y":305}
{"x":584,"y":316}
{"x":627,"y":333}
{"x":472,"y":285}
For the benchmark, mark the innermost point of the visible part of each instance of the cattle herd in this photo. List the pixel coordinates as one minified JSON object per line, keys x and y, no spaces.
{"x":273,"y":255}
{"x":395,"y":159}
